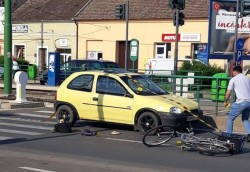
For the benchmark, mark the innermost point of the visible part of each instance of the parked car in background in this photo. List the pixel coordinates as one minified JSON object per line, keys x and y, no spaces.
{"x":1,"y":72}
{"x":119,"y":96}
{"x":72,"y":66}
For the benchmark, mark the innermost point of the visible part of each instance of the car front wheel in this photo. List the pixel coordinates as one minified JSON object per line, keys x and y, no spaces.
{"x":66,"y":113}
{"x":146,"y":121}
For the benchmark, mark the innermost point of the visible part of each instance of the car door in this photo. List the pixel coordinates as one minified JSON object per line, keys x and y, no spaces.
{"x":111,"y":102}
{"x":79,"y":90}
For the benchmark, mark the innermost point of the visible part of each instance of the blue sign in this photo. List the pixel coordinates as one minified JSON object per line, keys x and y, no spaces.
{"x":239,"y":56}
{"x":240,"y":43}
{"x":202,"y":55}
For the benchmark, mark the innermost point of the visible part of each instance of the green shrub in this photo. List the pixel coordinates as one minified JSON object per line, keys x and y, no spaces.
{"x":201,"y":69}
{"x":23,"y":64}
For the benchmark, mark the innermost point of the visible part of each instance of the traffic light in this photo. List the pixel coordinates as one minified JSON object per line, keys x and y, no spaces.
{"x":181,"y":18}
{"x":177,"y":4}
{"x":120,"y":11}
{"x":244,"y":8}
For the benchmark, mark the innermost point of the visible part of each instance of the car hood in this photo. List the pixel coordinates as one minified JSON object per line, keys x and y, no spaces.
{"x":170,"y":100}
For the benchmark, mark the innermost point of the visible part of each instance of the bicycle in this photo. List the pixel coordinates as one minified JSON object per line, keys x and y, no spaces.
{"x":161,"y":134}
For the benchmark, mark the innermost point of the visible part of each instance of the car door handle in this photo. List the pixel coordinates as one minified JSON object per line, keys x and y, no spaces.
{"x":95,"y":99}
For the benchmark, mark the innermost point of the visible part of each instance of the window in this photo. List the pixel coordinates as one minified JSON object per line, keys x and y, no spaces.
{"x":82,"y":83}
{"x":19,"y":51}
{"x":163,"y":50}
{"x":198,"y":47}
{"x":109,"y":85}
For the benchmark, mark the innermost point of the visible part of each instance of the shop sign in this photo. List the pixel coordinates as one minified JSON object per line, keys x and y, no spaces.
{"x":188,"y":37}
{"x":169,"y":37}
{"x":20,"y":28}
{"x":63,"y":42}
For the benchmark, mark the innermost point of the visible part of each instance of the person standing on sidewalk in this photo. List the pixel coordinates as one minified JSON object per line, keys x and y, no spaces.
{"x":241,"y":85}
{"x":15,"y":66}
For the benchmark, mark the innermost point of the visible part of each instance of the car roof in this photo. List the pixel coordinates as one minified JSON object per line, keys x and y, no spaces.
{"x":79,"y":60}
{"x":117,"y":71}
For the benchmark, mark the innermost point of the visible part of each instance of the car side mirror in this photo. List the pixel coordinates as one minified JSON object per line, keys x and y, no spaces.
{"x":129,"y":95}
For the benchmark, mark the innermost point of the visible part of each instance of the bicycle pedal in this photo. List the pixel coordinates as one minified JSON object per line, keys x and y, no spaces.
{"x":178,"y":143}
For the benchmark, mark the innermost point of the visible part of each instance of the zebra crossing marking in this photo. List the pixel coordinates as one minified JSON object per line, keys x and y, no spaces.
{"x":5,"y":138}
{"x":32,"y":115}
{"x":25,"y":120}
{"x":25,"y":126}
{"x":20,"y":132}
{"x":45,"y":111}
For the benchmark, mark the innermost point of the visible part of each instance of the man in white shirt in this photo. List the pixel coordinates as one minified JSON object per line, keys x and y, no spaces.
{"x":241,"y":85}
{"x":15,"y":67}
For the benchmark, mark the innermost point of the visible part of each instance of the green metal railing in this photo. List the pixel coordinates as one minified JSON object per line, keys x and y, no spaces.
{"x":200,"y":90}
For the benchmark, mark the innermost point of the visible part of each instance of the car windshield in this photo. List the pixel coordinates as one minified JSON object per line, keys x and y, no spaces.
{"x":142,"y":85}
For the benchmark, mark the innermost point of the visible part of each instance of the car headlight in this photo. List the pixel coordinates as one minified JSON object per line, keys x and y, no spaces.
{"x":175,"y":110}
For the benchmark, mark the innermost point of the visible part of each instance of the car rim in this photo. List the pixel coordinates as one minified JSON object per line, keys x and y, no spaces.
{"x":147,"y":123}
{"x":64,"y":114}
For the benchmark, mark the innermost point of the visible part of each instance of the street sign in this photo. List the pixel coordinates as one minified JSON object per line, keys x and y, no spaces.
{"x":240,"y":43}
{"x":239,"y":57}
{"x":134,"y":48}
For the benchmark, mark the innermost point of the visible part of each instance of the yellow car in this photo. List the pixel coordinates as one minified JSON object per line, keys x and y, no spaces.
{"x":122,"y":97}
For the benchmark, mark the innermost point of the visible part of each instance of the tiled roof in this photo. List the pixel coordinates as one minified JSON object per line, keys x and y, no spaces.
{"x":142,"y":9}
{"x":47,"y":10}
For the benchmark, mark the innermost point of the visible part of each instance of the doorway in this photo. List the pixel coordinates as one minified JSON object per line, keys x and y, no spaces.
{"x":121,"y":57}
{"x":42,"y":61}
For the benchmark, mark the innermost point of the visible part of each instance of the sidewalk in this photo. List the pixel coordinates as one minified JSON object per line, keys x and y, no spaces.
{"x":46,"y":94}
{"x":36,"y":95}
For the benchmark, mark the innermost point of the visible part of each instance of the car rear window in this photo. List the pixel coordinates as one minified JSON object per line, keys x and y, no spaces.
{"x":82,"y":83}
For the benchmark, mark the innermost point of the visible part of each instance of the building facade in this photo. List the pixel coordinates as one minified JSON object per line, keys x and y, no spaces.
{"x":101,"y":34}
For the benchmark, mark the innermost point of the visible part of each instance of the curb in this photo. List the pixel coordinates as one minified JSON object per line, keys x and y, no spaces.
{"x":13,"y":105}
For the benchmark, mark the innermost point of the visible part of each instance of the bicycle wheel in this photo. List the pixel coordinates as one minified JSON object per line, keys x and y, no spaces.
{"x":157,"y":136}
{"x":211,"y":147}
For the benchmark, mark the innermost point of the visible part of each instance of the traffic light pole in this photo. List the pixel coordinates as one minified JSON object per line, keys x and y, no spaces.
{"x":176,"y":49}
{"x":126,"y":44}
{"x":7,"y":49}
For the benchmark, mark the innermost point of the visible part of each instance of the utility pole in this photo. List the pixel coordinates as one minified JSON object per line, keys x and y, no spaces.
{"x":42,"y":58}
{"x":126,"y":44}
{"x":7,"y":49}
{"x":41,"y":34}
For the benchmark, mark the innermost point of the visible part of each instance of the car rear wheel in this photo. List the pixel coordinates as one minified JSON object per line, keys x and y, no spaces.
{"x":66,"y":113}
{"x":146,"y":121}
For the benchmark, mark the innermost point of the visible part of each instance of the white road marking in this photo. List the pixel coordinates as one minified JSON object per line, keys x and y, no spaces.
{"x":123,"y":140}
{"x":215,"y":112}
{"x":25,"y":126}
{"x":35,"y":169}
{"x":20,"y":132}
{"x":132,"y":141}
{"x":33,"y":115}
{"x":25,"y":120}
{"x":44,"y":111}
{"x":5,"y":138}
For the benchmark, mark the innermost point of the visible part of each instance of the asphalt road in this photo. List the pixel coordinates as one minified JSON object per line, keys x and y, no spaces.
{"x":27,"y":144}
